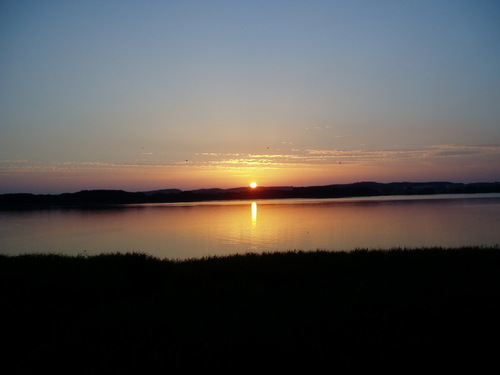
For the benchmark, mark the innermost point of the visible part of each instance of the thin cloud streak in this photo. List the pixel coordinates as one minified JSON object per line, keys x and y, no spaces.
{"x":310,"y":157}
{"x":298,"y":159}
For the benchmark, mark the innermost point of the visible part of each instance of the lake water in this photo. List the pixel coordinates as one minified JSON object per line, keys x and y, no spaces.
{"x":193,"y":230}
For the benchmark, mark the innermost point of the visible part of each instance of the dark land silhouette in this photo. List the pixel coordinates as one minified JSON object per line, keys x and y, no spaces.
{"x":359,"y":189}
{"x":398,"y":311}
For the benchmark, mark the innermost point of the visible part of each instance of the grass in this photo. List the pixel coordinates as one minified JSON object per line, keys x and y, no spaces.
{"x":396,"y":311}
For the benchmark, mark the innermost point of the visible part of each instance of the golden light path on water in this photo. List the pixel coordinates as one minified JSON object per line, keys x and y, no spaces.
{"x":254,"y":214}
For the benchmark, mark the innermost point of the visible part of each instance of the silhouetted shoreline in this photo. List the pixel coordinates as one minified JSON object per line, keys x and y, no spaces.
{"x":360,"y":189}
{"x":400,"y":311}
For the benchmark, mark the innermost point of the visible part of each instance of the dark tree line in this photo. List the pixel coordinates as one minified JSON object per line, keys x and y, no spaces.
{"x":360,"y":189}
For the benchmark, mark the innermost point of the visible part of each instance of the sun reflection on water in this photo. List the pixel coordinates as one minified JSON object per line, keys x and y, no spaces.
{"x":254,"y":214}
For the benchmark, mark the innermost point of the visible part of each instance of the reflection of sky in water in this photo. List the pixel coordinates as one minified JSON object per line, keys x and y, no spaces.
{"x":195,"y":230}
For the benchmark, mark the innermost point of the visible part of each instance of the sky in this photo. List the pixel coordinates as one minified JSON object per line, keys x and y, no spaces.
{"x":146,"y":95}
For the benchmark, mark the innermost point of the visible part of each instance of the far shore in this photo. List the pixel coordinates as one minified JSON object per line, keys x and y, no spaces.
{"x":91,"y":198}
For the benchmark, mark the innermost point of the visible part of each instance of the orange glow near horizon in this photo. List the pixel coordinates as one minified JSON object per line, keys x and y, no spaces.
{"x":61,"y":178}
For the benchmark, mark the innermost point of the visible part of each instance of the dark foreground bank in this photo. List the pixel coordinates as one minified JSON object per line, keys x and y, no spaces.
{"x":397,"y":311}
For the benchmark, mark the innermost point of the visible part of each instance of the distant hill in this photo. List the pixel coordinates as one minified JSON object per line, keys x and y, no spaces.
{"x":358,"y":189}
{"x":163,"y":191}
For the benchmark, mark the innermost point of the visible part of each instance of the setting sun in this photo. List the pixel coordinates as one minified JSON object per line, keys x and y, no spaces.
{"x":253,"y":185}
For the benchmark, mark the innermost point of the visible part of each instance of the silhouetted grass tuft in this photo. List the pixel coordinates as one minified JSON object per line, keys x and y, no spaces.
{"x":393,"y":310}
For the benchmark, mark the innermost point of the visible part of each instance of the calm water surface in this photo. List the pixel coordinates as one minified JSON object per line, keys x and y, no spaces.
{"x":187,"y":230}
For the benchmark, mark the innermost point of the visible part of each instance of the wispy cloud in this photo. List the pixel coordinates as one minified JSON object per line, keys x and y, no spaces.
{"x":458,"y":150}
{"x":293,"y":159}
{"x":68,"y":167}
{"x":8,"y":161}
{"x":435,"y":151}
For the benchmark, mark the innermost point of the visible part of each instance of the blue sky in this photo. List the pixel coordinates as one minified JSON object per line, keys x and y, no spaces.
{"x":140,"y":95}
